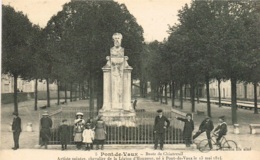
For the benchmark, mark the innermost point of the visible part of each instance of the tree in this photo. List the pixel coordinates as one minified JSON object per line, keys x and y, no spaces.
{"x":16,"y":51}
{"x":80,"y":37}
{"x":252,"y":71}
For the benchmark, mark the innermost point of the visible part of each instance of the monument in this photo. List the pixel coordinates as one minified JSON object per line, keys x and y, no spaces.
{"x":117,"y":109}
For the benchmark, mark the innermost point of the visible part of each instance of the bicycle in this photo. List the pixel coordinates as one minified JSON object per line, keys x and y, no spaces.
{"x":225,"y":145}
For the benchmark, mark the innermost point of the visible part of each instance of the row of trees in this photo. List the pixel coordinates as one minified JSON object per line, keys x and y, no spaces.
{"x":214,"y":40}
{"x":71,"y":49}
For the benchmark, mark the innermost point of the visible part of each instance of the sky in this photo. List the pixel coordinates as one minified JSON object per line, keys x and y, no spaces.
{"x":153,"y":15}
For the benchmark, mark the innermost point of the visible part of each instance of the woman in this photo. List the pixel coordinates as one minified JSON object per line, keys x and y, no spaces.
{"x":188,"y":128}
{"x":100,"y":133}
{"x":45,"y":131}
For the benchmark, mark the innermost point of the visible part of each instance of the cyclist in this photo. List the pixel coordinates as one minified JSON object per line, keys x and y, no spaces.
{"x":221,"y":130}
{"x":205,"y":126}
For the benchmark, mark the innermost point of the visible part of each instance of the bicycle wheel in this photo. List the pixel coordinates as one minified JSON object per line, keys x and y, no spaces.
{"x":204,"y":146}
{"x":229,"y":145}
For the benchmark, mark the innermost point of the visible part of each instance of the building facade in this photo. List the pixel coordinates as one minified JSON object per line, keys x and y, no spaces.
{"x":7,"y":85}
{"x":244,"y":91}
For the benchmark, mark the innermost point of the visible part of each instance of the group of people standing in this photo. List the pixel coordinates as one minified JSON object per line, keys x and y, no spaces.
{"x":84,"y":133}
{"x":162,"y":123}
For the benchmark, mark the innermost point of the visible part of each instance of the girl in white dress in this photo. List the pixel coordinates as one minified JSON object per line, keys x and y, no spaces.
{"x":88,"y":136}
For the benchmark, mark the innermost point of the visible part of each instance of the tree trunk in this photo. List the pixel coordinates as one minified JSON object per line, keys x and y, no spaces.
{"x":65,"y":88}
{"x":156,"y":96}
{"x":48,"y":92}
{"x":158,"y":93}
{"x":165,"y":94}
{"x":177,"y":96}
{"x":15,"y":94}
{"x":197,"y":94}
{"x":170,"y":90}
{"x":161,"y":94}
{"x":153,"y":92}
{"x":141,"y":88}
{"x":173,"y":94}
{"x":99,"y":93}
{"x":208,"y":96}
{"x":71,"y":92}
{"x":79,"y":94}
{"x":255,"y":98}
{"x":234,"y":100}
{"x":219,"y":93}
{"x":82,"y":91}
{"x":36,"y":94}
{"x":76,"y":93}
{"x":58,"y":92}
{"x":245,"y":91}
{"x":181,"y":96}
{"x":91,"y":98}
{"x":145,"y":89}
{"x":192,"y":97}
{"x":132,"y":82}
{"x":185,"y":91}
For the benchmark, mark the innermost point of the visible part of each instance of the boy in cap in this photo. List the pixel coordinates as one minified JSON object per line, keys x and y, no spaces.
{"x":16,"y":129}
{"x":188,"y":128}
{"x":160,"y":128}
{"x":64,"y":132}
{"x":205,"y":126}
{"x":221,"y":130}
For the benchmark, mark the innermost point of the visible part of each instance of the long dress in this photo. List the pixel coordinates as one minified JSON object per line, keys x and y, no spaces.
{"x":100,"y":130}
{"x":45,"y":132}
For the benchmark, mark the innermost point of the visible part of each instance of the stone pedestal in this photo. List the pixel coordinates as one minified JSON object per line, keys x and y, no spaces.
{"x":236,"y":129}
{"x":117,"y":108}
{"x":117,"y":117}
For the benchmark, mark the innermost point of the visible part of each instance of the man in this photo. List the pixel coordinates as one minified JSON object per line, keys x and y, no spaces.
{"x":16,"y":129}
{"x":205,"y":126}
{"x":160,"y":129}
{"x":221,"y":129}
{"x":45,"y":132}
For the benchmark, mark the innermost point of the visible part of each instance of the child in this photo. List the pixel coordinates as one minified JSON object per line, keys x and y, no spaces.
{"x":64,"y":132}
{"x":77,"y":132}
{"x":92,"y":126}
{"x":100,"y":133}
{"x":88,"y":136}
{"x":188,"y":128}
{"x":221,"y":130}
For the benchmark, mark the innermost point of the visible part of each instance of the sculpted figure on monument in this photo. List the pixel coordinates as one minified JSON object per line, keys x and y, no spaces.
{"x":117,"y":109}
{"x":117,"y":59}
{"x":117,"y":50}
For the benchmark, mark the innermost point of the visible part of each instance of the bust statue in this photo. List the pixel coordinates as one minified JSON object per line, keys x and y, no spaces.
{"x":117,"y":50}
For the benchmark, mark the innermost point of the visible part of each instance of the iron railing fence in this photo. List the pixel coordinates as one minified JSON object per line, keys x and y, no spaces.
{"x":142,"y":133}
